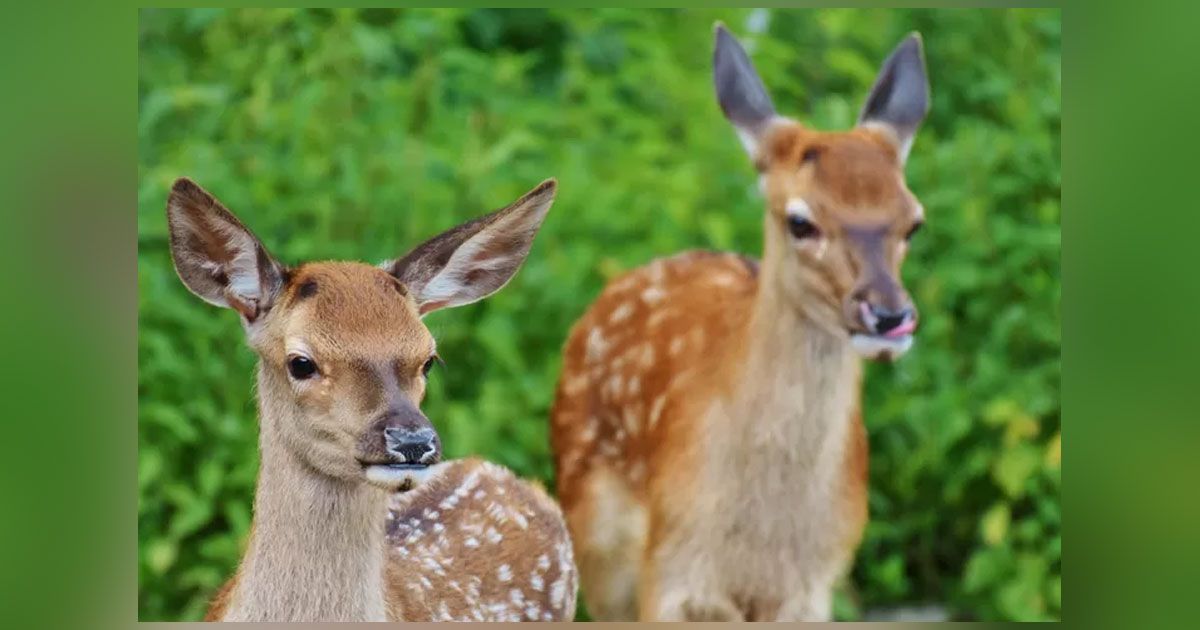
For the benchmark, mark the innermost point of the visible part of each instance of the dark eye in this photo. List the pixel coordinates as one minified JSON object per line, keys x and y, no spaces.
{"x":429,"y":365}
{"x":913,"y":230}
{"x":802,"y":228}
{"x":301,"y":367}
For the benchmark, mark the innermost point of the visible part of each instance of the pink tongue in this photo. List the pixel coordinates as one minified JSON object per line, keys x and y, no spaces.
{"x":903,"y":329}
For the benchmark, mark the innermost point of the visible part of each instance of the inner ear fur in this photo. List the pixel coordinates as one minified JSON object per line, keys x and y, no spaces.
{"x":216,"y":256}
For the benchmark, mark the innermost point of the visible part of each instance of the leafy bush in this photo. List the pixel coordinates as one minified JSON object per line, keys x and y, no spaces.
{"x":356,"y":133}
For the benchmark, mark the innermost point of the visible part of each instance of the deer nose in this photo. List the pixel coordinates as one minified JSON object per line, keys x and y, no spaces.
{"x":413,"y":446}
{"x":887,"y":322}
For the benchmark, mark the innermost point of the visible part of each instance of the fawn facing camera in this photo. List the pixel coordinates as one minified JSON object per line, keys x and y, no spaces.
{"x":343,"y":362}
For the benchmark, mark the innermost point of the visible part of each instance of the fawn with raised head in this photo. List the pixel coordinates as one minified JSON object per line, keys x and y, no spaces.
{"x":710,"y":453}
{"x":343,"y":361}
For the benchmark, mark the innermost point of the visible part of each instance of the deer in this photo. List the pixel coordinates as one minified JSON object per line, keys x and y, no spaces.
{"x":710,"y":453}
{"x":356,"y":517}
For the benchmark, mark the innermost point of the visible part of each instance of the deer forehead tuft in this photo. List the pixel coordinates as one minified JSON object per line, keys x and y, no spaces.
{"x":355,"y":309}
{"x":338,"y":281}
{"x":857,"y":170}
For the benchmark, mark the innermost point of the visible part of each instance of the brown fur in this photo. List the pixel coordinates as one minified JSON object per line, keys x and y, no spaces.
{"x":706,"y":427}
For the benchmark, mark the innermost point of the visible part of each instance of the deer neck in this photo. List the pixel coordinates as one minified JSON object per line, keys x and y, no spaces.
{"x":800,"y":381}
{"x":316,"y":549}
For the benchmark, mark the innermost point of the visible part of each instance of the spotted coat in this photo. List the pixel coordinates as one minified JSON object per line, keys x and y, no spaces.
{"x":478,"y":544}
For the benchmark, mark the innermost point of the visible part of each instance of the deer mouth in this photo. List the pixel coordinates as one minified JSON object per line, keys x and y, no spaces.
{"x":398,"y":477}
{"x":882,"y":336}
{"x":881,"y":347}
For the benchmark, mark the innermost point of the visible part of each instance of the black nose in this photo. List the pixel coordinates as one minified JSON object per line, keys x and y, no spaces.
{"x":412,"y":446}
{"x":883,"y":320}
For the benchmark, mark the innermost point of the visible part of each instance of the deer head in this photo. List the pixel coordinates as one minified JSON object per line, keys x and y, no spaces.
{"x":343,"y":352}
{"x":839,"y":214}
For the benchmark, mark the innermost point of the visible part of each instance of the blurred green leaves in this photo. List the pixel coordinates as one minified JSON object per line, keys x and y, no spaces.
{"x":354,"y":134}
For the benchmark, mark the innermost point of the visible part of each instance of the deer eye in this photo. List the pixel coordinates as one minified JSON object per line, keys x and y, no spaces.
{"x":301,"y":367}
{"x":429,"y":365}
{"x":913,"y":230}
{"x":802,"y":228}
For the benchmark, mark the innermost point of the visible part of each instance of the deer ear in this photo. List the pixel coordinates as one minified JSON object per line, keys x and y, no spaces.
{"x":216,"y":257}
{"x":899,"y":100}
{"x":740,"y":92}
{"x":477,"y":258}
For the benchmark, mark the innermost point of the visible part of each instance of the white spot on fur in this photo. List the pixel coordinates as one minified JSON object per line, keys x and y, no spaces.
{"x":656,"y":409}
{"x":504,"y":573}
{"x":597,"y":345}
{"x":798,"y":207}
{"x":676,"y":345}
{"x":589,"y":430}
{"x":471,"y":541}
{"x":653,"y":295}
{"x":614,"y":386}
{"x":621,"y":313}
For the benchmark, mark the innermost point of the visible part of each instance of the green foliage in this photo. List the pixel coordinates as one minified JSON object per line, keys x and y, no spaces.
{"x":356,"y":133}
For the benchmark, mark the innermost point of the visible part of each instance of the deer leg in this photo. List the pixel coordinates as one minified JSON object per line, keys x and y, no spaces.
{"x":810,"y":603}
{"x":690,"y":596}
{"x":681,"y":605}
{"x":609,"y":526}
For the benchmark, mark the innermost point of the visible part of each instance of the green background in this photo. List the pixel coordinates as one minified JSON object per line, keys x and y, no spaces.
{"x":356,"y":133}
